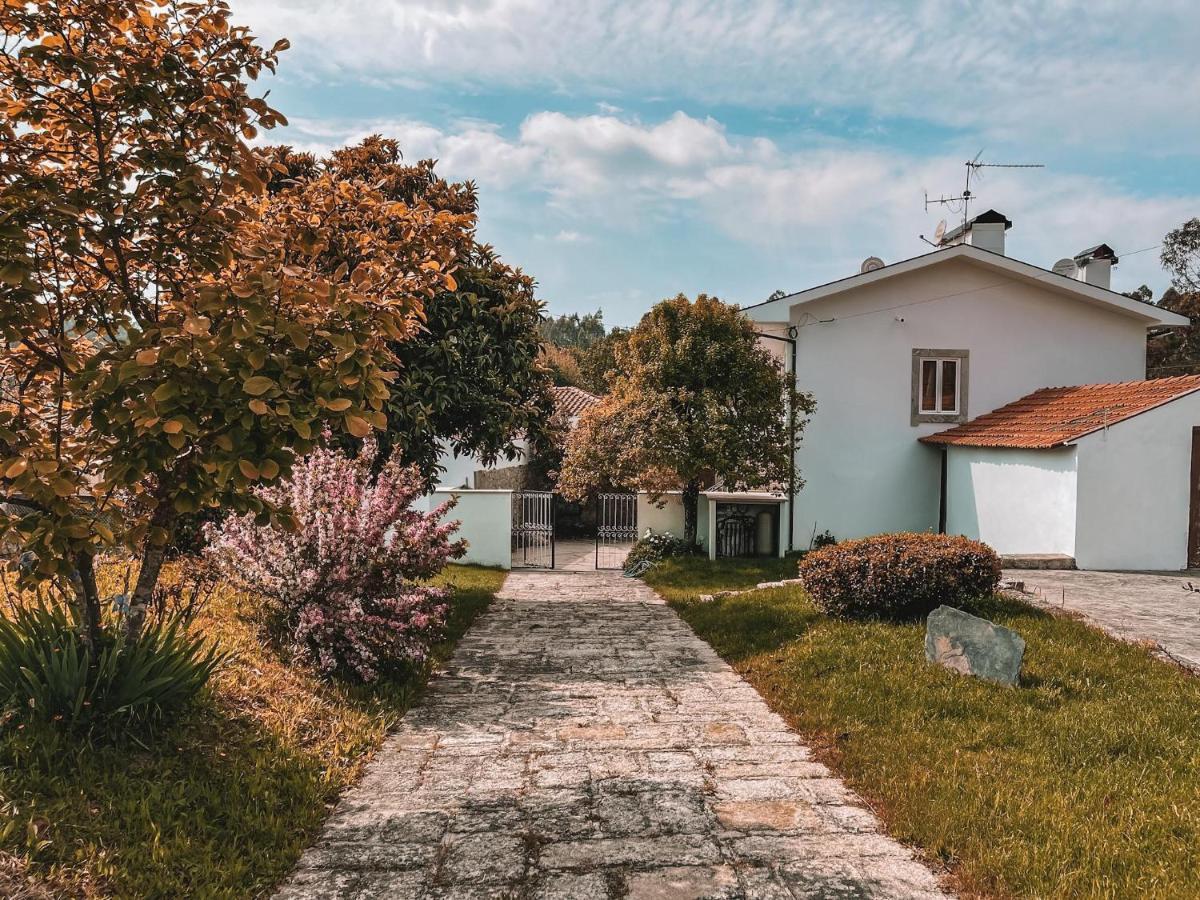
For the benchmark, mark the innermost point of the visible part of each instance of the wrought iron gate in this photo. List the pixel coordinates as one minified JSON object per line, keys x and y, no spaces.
{"x":616,"y":529}
{"x":533,"y":530}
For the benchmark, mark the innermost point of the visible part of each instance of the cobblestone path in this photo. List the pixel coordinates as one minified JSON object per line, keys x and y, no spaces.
{"x":584,"y":743}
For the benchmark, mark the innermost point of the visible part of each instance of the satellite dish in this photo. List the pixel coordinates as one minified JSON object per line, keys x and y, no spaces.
{"x":939,"y":232}
{"x":870,"y":264}
{"x":1066,"y":267}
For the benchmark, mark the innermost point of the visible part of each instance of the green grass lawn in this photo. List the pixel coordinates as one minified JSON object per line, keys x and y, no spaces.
{"x":1082,"y":782}
{"x":222,"y":804}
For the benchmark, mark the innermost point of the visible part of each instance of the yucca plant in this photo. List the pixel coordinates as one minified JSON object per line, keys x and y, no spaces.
{"x":45,"y":672}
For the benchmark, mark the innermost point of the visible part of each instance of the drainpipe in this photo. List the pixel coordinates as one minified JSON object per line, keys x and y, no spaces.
{"x":790,"y":340}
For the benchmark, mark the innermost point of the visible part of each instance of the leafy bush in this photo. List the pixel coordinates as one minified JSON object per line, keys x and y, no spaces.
{"x":824,"y":539}
{"x":654,"y":547}
{"x":898,"y":575}
{"x":342,"y":586}
{"x":45,"y":672}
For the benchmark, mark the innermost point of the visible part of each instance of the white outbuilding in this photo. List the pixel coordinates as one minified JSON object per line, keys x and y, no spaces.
{"x":1106,"y":475}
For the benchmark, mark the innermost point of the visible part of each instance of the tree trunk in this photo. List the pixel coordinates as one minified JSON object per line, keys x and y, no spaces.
{"x":152,"y":561}
{"x":87,"y":597}
{"x":691,"y":504}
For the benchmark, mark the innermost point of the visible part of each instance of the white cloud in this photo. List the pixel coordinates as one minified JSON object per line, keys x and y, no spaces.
{"x":568,"y":236}
{"x":830,"y":206}
{"x":1097,"y":73}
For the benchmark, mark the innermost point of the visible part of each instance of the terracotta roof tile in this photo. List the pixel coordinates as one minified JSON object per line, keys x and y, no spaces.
{"x":1054,"y":416}
{"x":572,"y":401}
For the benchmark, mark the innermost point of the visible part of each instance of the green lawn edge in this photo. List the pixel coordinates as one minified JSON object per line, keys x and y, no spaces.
{"x":1083,"y":782}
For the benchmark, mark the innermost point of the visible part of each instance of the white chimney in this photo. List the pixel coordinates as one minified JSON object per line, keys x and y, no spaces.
{"x":985,"y":231}
{"x":1095,"y":265}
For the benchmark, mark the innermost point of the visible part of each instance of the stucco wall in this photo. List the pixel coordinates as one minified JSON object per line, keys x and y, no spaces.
{"x":486,"y":518}
{"x":667,"y":518}
{"x":1134,"y":484}
{"x":864,"y":470}
{"x":1016,"y":501}
{"x":670,"y":516}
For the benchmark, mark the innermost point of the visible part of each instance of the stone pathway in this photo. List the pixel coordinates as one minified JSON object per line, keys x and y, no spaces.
{"x":1149,"y":606}
{"x":584,"y":743}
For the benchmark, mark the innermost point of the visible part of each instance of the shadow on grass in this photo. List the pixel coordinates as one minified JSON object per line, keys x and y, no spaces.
{"x":222,"y":802}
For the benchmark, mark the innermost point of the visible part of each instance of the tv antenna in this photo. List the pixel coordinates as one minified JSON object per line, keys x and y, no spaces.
{"x":961,"y":203}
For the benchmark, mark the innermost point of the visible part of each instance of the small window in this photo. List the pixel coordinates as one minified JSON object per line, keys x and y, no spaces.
{"x":939,"y":386}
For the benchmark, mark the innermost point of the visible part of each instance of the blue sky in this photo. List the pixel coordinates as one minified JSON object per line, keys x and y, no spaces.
{"x":626,"y":151}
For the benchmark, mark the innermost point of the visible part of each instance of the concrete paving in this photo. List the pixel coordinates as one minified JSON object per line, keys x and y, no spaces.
{"x":1153,"y":606}
{"x":584,"y":743}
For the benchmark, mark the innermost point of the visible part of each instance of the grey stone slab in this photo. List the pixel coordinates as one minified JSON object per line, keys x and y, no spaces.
{"x":586,"y":744}
{"x":969,"y":645}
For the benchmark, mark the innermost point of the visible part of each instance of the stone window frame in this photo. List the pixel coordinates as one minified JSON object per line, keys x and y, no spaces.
{"x":964,"y":379}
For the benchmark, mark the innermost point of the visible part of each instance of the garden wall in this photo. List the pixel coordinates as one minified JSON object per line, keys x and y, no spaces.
{"x":486,"y":517}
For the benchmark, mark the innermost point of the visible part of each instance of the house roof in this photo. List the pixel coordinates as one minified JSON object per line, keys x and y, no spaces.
{"x":779,"y":310}
{"x":1056,"y":416}
{"x":572,"y":401}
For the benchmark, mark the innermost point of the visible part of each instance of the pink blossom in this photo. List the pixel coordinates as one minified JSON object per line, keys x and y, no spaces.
{"x":347,"y":587}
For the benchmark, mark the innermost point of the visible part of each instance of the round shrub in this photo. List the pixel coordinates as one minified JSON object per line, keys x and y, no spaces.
{"x":898,"y":575}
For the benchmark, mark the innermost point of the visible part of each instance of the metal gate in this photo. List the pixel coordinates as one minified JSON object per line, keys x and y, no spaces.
{"x":533,"y":530}
{"x":616,"y":529}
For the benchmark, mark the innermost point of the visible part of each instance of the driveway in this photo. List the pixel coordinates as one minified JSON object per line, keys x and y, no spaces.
{"x":1154,"y":606}
{"x":585,"y":744}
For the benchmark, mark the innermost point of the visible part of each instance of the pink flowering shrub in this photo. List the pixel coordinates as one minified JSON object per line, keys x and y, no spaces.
{"x":344,"y":587}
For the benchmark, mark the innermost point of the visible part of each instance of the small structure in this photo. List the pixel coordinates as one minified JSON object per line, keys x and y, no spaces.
{"x":728,"y":523}
{"x":1105,"y":474}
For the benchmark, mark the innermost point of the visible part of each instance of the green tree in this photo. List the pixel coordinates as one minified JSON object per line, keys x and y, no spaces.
{"x":574,"y":330}
{"x":695,"y":400}
{"x":171,"y":339}
{"x":1181,"y":256}
{"x":471,"y":378}
{"x":1175,"y":351}
{"x":598,"y":363}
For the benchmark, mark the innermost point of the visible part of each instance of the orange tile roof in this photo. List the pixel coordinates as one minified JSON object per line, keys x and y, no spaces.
{"x":572,"y":401}
{"x":1054,"y":416}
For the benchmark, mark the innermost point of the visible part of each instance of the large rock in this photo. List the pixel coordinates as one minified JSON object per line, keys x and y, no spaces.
{"x":973,"y":646}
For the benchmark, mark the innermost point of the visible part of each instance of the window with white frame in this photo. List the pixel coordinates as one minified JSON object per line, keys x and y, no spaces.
{"x":939,"y":386}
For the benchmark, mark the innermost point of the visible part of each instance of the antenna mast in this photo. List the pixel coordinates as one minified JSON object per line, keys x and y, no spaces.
{"x":962,"y":202}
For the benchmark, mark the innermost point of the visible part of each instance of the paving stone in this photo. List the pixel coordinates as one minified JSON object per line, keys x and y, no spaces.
{"x":585,"y":744}
{"x":684,"y":883}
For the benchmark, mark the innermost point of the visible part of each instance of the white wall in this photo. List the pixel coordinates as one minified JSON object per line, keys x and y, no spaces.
{"x":1016,"y":501}
{"x":1134,"y":486}
{"x":667,"y":518}
{"x":864,"y":470}
{"x":486,"y":518}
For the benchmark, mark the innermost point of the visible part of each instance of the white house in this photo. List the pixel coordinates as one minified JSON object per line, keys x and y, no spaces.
{"x":897,"y":353}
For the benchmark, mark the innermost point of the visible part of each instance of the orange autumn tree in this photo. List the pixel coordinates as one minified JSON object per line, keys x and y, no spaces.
{"x":171,"y":340}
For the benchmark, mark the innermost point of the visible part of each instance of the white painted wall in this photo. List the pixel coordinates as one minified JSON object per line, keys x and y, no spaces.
{"x":1134,"y":482}
{"x":486,"y":518}
{"x":667,"y":518}
{"x":1016,"y":501}
{"x":864,"y":470}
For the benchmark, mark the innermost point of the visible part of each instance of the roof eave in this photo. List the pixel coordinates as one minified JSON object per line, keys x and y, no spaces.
{"x":779,"y":310}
